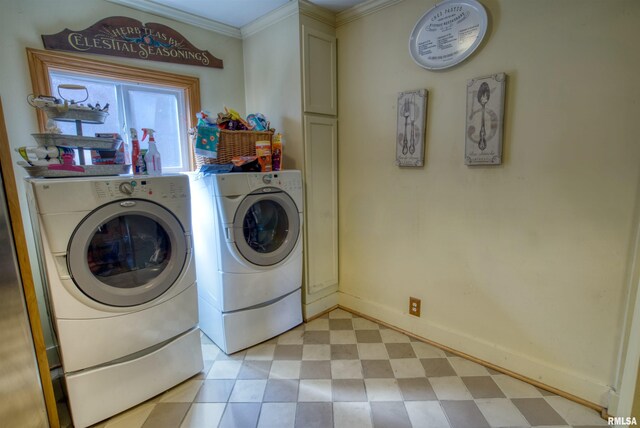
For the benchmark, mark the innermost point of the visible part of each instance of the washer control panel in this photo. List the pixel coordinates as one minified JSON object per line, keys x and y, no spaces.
{"x":142,"y":188}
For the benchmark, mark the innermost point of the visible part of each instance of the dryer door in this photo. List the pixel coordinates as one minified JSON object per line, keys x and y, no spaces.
{"x":127,"y":253}
{"x":266,"y":227}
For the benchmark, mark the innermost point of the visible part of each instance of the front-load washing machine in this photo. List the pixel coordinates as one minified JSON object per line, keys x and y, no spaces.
{"x":248,"y":246}
{"x":121,"y":283}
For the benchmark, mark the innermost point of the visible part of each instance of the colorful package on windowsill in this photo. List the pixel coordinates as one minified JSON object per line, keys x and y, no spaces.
{"x":263,"y":152}
{"x":44,"y":155}
{"x":104,"y":157}
{"x":258,"y":122}
{"x":205,"y":119}
{"x":231,"y":120}
{"x":276,"y":149}
{"x":207,"y":137}
{"x":122,"y":156}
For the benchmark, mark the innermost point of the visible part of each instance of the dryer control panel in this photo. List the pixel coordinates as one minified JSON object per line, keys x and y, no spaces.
{"x":285,"y":181}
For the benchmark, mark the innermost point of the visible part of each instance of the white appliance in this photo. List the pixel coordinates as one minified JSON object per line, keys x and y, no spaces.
{"x":248,"y":246}
{"x":121,"y":282}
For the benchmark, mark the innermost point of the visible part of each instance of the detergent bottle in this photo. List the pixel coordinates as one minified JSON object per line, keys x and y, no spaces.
{"x":135,"y":152}
{"x":152,"y":157}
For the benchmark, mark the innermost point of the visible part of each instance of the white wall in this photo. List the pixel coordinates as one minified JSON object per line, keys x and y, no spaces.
{"x":22,"y":23}
{"x":523,"y":264}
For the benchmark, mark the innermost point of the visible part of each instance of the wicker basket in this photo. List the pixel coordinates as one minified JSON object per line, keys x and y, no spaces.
{"x":234,"y":143}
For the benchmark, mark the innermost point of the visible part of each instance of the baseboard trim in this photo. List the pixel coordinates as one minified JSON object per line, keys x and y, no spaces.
{"x":321,"y":314}
{"x":362,"y":308}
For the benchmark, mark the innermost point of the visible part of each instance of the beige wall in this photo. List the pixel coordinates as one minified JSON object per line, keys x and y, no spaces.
{"x":273,"y":83}
{"x":22,"y":23}
{"x":522,"y":264}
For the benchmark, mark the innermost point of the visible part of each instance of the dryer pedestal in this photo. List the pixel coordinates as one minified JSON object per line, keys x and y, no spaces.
{"x":234,"y":331}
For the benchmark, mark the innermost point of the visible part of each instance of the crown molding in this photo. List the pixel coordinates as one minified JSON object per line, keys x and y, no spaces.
{"x":265,"y":21}
{"x":362,"y":10}
{"x":302,"y":7}
{"x":177,"y":15}
{"x":316,"y":12}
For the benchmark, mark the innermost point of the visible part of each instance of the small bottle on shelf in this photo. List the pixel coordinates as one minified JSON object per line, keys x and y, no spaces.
{"x":135,"y":152}
{"x":152,"y":158}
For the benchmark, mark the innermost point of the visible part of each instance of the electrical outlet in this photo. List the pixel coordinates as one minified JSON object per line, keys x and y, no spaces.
{"x":414,"y":306}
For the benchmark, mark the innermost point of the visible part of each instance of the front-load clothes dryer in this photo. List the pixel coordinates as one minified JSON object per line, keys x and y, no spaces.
{"x":248,"y":246}
{"x":118,"y":261}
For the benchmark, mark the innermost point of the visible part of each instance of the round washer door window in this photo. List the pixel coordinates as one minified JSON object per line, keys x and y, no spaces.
{"x":127,"y":253}
{"x":266,"y":228}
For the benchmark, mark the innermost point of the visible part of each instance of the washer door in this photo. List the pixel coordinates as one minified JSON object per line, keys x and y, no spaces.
{"x":266,"y":227}
{"x":127,"y":253}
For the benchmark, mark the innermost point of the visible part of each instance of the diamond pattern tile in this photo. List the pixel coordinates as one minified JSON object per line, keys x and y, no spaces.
{"x":400,"y":350}
{"x":281,"y":390}
{"x":348,"y":390}
{"x":285,"y":370}
{"x":319,"y":337}
{"x":214,"y":391}
{"x":240,"y":415}
{"x":288,"y":352}
{"x":368,"y":336}
{"x":416,"y":389}
{"x":342,"y":370}
{"x":351,"y":415}
{"x":340,"y":324}
{"x":437,"y":367}
{"x":390,"y":414}
{"x":254,"y":369}
{"x":344,"y":352}
{"x":314,"y":415}
{"x":315,"y":370}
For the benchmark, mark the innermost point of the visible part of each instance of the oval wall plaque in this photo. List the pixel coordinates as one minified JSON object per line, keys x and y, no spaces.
{"x":448,"y":33}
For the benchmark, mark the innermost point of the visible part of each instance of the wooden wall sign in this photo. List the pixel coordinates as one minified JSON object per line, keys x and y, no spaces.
{"x":130,"y":38}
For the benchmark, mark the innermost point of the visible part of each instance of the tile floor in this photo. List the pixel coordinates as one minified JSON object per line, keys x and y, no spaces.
{"x":345,"y":371}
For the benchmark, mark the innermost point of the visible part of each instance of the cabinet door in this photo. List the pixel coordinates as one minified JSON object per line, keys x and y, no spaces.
{"x":319,"y":72}
{"x":321,"y":214}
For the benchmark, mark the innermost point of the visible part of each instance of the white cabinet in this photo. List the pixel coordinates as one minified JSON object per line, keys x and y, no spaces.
{"x":320,"y":135}
{"x":319,"y":72}
{"x":300,"y":99}
{"x":321,"y":178}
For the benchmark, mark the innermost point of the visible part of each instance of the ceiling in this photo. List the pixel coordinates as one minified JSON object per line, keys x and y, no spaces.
{"x":238,"y":13}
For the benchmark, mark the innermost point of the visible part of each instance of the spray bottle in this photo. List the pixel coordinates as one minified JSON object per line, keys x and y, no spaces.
{"x":135,"y":151}
{"x":152,"y":157}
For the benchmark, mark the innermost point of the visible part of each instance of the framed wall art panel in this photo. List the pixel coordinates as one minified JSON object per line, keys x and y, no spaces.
{"x":484,"y":122}
{"x":410,"y":130}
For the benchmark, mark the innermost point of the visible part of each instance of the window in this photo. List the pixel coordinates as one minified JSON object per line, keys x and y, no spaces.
{"x":133,"y":106}
{"x":137,"y":98}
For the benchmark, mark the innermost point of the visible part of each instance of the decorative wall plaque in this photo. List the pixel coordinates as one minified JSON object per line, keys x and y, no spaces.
{"x":410,"y":128}
{"x":129,"y":38}
{"x":485,"y":116}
